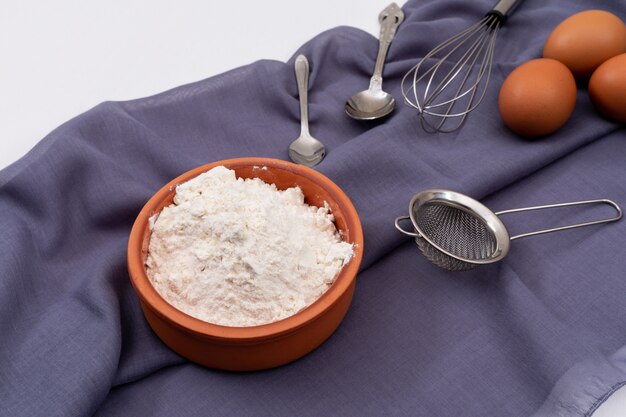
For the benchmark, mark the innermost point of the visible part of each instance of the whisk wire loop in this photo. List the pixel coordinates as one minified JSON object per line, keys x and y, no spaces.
{"x":453,"y":73}
{"x":415,"y":71}
{"x":445,"y":91}
{"x":471,"y":90}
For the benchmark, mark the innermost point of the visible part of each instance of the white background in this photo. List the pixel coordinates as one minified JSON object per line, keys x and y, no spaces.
{"x":58,"y":59}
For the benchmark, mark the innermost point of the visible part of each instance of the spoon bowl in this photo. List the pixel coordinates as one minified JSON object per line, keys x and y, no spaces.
{"x":369,"y":105}
{"x":374,"y":103}
{"x":307,"y":151}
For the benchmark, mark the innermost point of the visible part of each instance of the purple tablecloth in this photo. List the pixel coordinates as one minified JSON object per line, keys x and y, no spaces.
{"x":541,"y":333}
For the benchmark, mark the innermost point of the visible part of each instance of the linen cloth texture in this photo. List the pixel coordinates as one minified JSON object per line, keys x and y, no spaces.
{"x":540,"y":333}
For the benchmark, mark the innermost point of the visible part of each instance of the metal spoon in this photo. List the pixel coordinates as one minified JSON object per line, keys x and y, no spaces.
{"x":374,"y":103}
{"x":306,"y":150}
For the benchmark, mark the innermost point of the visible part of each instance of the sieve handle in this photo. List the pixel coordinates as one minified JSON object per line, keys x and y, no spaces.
{"x":397,"y":223}
{"x":573,"y":226}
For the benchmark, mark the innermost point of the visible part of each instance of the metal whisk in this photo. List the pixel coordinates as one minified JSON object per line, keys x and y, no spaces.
{"x":458,"y":233}
{"x":445,"y":90}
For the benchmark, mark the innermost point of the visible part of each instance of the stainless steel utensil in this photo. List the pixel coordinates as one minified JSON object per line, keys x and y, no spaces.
{"x":458,"y":233}
{"x":445,"y":90}
{"x":374,"y":103}
{"x":306,"y":150}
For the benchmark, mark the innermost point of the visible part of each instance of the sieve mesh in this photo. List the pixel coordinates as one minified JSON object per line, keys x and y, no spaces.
{"x":456,"y":231}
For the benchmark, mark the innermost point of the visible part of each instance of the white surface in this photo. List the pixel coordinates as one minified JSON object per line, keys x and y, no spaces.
{"x":61,"y":58}
{"x":614,"y":406}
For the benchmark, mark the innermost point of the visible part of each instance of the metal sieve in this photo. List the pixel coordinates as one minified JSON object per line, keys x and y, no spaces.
{"x":458,"y":233}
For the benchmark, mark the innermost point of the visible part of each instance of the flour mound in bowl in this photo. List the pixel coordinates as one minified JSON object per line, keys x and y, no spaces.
{"x":241,"y":252}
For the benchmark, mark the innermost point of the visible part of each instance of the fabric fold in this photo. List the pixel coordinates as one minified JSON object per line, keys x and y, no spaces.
{"x":532,"y":334}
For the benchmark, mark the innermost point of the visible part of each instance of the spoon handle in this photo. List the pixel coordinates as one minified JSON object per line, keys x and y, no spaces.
{"x":302,"y":77}
{"x":390,"y":18}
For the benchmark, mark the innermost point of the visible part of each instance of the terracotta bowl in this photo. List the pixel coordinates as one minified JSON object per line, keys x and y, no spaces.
{"x":256,"y":347}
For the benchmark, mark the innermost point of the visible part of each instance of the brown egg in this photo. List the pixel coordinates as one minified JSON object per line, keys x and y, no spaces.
{"x":538,"y":97}
{"x":585,"y":40}
{"x":607,"y":88}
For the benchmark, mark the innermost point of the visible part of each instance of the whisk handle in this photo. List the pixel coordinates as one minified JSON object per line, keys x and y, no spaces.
{"x":503,"y":8}
{"x":397,"y":223}
{"x":576,"y":203}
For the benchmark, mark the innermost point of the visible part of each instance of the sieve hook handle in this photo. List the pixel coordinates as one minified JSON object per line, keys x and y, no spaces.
{"x":397,"y":223}
{"x":573,"y":226}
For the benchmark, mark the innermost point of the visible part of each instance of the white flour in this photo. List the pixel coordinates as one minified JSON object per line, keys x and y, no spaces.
{"x":240,"y":252}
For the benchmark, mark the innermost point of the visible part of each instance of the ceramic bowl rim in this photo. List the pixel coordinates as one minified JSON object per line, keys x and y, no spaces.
{"x":218,"y":333}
